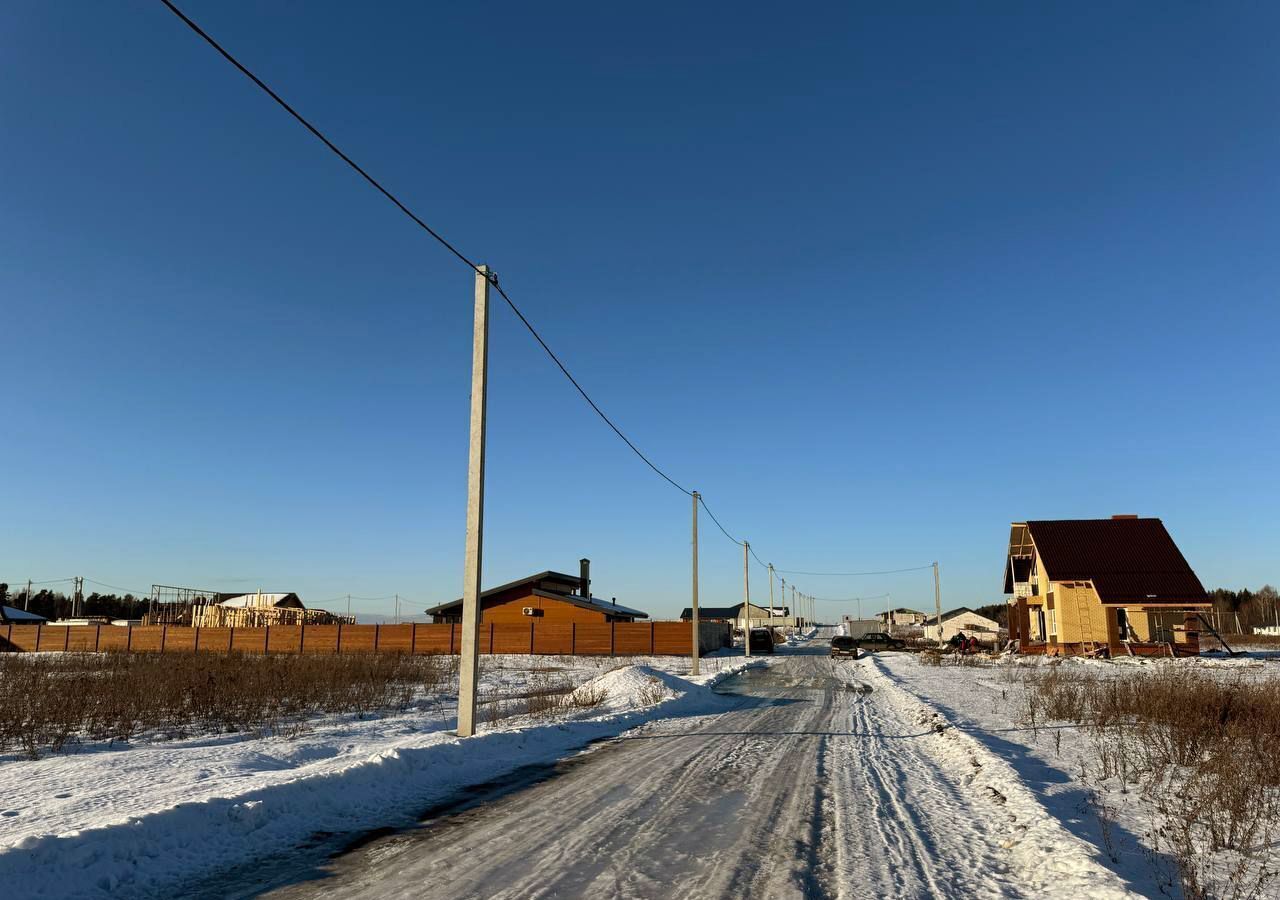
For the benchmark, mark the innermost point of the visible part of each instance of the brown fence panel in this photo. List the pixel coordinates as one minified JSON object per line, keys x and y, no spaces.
{"x":146,"y":639}
{"x":213,"y":640}
{"x":284,"y":638}
{"x":249,"y":640}
{"x":553,"y":638}
{"x":430,"y":638}
{"x":320,"y":639}
{"x":83,"y":638}
{"x":358,"y":639}
{"x":672,"y":638}
{"x":24,"y":637}
{"x":53,"y":637}
{"x":395,"y":639}
{"x":509,"y":637}
{"x":632,"y":638}
{"x":179,"y":639}
{"x":113,"y":638}
{"x":592,"y":639}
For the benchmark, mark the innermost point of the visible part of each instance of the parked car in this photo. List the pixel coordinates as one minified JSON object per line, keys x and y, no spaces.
{"x":843,"y":645}
{"x":761,"y":640}
{"x":878,"y":640}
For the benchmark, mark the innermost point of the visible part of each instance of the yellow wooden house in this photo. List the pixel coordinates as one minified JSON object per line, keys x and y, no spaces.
{"x":1116,"y":587}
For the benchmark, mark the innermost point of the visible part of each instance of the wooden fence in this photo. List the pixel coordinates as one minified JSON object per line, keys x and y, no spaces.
{"x":568,"y":639}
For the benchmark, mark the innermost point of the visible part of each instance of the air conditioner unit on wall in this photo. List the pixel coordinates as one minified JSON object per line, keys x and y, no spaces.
{"x":531,"y":611}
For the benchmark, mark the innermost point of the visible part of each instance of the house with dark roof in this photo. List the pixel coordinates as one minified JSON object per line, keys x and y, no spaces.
{"x":549,"y":596}
{"x":734,"y":615}
{"x":1102,"y":587}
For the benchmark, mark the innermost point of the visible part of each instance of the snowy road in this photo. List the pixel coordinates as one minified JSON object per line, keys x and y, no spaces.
{"x":821,"y":779}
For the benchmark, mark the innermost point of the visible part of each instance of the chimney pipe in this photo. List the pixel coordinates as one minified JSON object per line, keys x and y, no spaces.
{"x":584,"y":578}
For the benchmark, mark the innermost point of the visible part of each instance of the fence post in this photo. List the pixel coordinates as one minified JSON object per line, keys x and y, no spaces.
{"x":302,"y":637}
{"x":573,"y":638}
{"x":613,"y":628}
{"x":164,"y":635}
{"x":532,"y":622}
{"x":377,"y":632}
{"x":97,"y":636}
{"x":128,"y":639}
{"x":651,"y":644}
{"x":66,"y":639}
{"x":266,"y":639}
{"x":231,"y":639}
{"x":491,"y":639}
{"x":338,"y":646}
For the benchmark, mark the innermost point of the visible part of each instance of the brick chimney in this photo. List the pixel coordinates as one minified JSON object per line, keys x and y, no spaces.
{"x":584,"y":578}
{"x":1125,"y":516}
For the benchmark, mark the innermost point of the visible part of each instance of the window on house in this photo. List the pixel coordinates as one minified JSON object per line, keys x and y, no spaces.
{"x":1053,"y":623}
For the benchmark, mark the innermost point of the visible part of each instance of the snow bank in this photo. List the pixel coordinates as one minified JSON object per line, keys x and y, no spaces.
{"x":1049,"y":858}
{"x":171,"y":813}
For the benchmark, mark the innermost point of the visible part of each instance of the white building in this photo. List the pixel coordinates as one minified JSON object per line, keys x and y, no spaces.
{"x":962,"y":621}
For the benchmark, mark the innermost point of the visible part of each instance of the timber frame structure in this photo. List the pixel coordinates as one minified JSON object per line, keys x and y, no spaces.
{"x":1101,"y":587}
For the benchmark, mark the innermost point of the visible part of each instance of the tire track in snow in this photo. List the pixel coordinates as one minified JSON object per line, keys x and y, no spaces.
{"x":807,"y":787}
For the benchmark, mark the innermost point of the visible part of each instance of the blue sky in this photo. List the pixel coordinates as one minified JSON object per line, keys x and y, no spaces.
{"x":876,"y":283}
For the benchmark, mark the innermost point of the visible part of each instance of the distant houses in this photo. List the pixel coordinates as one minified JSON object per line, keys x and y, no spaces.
{"x":1101,"y":586}
{"x":738,"y":615}
{"x":548,"y":596}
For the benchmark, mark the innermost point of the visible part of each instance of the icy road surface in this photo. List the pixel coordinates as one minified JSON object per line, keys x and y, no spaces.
{"x":821,"y":779}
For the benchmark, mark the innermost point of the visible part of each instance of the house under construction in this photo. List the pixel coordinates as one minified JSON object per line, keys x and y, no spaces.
{"x":212,"y":609}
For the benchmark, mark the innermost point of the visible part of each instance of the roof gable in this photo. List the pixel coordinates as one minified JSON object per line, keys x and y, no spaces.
{"x":1127,"y":559}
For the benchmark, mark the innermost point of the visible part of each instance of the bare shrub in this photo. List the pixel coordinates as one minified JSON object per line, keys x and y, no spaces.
{"x":51,"y":702}
{"x":1200,"y":747}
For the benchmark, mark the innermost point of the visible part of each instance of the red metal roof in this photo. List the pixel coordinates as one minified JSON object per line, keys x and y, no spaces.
{"x":1129,"y":560}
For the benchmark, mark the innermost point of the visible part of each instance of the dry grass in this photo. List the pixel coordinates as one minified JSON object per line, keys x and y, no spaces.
{"x":56,"y":701}
{"x":1200,"y":748}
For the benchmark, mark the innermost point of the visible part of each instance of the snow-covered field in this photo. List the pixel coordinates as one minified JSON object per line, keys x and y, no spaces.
{"x":136,"y":819}
{"x":1058,"y":762}
{"x":896,"y":777}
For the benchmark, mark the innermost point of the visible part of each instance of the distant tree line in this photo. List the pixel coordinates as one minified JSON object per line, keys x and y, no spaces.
{"x":1252,"y":608}
{"x":53,"y":605}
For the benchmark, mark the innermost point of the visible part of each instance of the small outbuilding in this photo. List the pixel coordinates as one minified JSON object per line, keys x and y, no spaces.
{"x":962,"y":621}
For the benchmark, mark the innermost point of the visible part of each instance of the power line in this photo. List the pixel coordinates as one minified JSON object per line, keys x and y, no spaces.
{"x":424,"y":226}
{"x":115,"y":587}
{"x":319,"y":135}
{"x":850,"y":599}
{"x":717,"y":521}
{"x":855,"y":574}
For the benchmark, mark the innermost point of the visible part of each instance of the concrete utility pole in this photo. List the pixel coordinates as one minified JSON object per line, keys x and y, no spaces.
{"x":746,"y":594}
{"x":26,"y":602}
{"x":937,"y":601}
{"x":348,"y":606}
{"x":693,"y":664}
{"x":469,"y":664}
{"x":397,"y":609}
{"x":784,"y":594}
{"x":771,"y":585}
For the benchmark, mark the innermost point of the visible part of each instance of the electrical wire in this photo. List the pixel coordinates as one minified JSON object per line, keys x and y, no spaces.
{"x":717,"y":521}
{"x":492,"y":278}
{"x":116,"y":587}
{"x":854,"y":574}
